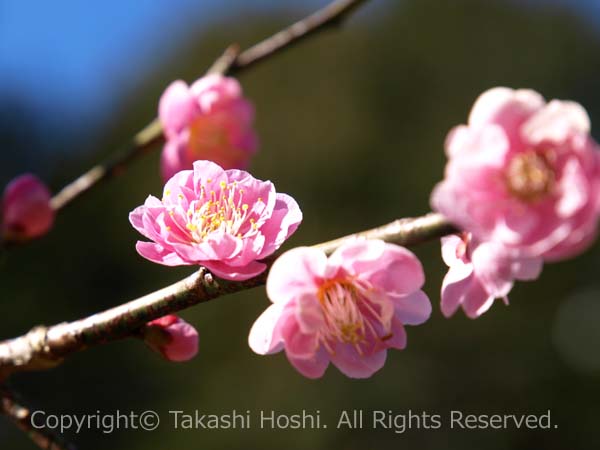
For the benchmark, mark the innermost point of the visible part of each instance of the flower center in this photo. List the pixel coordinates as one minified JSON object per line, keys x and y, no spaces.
{"x":530,"y":176}
{"x":207,"y":132}
{"x":211,"y":139}
{"x":220,"y":211}
{"x":350,"y":316}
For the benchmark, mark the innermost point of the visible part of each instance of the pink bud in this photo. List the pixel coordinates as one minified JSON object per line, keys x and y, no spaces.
{"x":26,"y":210}
{"x":172,"y":337}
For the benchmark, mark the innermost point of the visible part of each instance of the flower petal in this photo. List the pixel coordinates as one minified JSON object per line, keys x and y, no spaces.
{"x":284,"y":221}
{"x":506,"y":107}
{"x":413,"y":309}
{"x":313,"y":367}
{"x":176,"y":107}
{"x":389,"y":267}
{"x":228,"y":272}
{"x":158,"y":254}
{"x":297,"y":343}
{"x":354,"y":365}
{"x":295,"y":272}
{"x":265,"y":335}
{"x":556,"y":122}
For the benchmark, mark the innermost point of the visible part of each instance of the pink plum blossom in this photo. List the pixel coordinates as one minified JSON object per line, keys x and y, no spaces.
{"x":523,"y":173}
{"x":209,"y":120}
{"x":347,"y":309}
{"x":225,"y":220}
{"x":26,"y":209}
{"x":172,"y":337}
{"x":480,"y":273}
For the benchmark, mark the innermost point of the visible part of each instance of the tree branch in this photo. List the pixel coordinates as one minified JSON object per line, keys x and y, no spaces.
{"x":331,"y":15}
{"x":46,"y":347}
{"x":20,"y":415}
{"x":230,"y":62}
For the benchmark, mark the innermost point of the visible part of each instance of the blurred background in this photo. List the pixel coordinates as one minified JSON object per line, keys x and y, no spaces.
{"x":352,"y":125}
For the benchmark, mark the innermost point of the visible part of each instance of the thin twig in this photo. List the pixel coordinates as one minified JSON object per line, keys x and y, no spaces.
{"x":331,"y":15}
{"x":46,"y":347}
{"x":142,"y":143}
{"x":20,"y":415}
{"x":230,"y":62}
{"x":224,"y":62}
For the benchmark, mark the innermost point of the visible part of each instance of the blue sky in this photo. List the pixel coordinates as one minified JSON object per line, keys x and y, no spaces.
{"x":84,"y":54}
{"x":81,"y":53}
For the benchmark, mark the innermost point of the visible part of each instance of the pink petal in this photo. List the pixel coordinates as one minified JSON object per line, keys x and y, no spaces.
{"x":398,"y":271}
{"x":487,"y":145}
{"x":357,"y":254}
{"x":556,"y":122}
{"x":574,"y":188}
{"x":577,"y":242}
{"x":208,"y":170}
{"x":158,"y":254}
{"x":265,"y":336}
{"x":177,"y":189}
{"x":171,"y":159}
{"x":389,"y":267}
{"x":398,"y":339}
{"x":176,"y":108}
{"x":136,"y":218}
{"x":455,"y":286}
{"x":298,"y":344}
{"x":295,"y":272}
{"x":224,"y":246}
{"x":493,"y":268}
{"x":309,"y":313}
{"x":354,"y":365}
{"x":228,"y":272}
{"x":413,"y":309}
{"x":452,"y":246}
{"x":477,"y":301}
{"x":527,"y":268}
{"x":284,"y":221}
{"x":506,"y":107}
{"x":313,"y":367}
{"x":214,"y":90}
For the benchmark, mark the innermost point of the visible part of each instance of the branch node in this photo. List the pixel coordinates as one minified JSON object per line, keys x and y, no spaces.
{"x":225,"y":61}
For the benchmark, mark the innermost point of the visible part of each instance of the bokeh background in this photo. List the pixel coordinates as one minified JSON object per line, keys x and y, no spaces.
{"x":352,"y":125}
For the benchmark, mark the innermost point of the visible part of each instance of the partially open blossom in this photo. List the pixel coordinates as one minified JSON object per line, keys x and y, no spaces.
{"x":209,"y":120}
{"x":26,"y":210}
{"x":347,"y":309}
{"x":225,"y":220}
{"x":172,"y":337}
{"x":479,"y":273}
{"x":523,"y":173}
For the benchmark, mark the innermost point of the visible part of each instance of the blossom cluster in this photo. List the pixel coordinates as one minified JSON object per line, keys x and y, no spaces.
{"x":522,"y":184}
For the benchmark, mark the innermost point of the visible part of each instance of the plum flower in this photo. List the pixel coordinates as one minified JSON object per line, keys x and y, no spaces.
{"x":26,"y":209}
{"x":209,"y":120}
{"x":347,"y":309}
{"x":479,"y":273}
{"x":523,"y":173}
{"x":172,"y":337}
{"x":225,"y":220}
